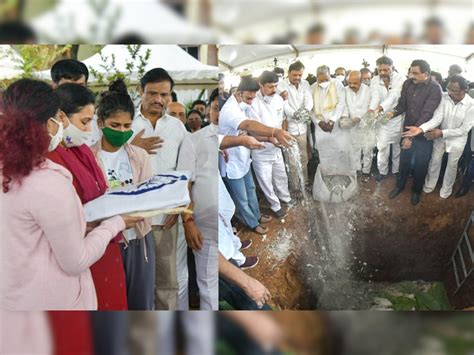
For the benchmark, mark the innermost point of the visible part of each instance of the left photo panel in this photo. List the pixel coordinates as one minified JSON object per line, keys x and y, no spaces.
{"x":108,"y":158}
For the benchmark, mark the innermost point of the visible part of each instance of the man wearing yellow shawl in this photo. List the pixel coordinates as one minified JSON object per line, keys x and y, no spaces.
{"x":332,"y":142}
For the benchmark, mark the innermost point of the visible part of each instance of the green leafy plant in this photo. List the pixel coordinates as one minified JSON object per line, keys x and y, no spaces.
{"x":35,"y":58}
{"x":137,"y":62}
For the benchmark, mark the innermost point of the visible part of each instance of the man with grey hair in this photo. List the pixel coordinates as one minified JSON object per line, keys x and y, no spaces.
{"x":177,"y":109}
{"x":328,"y":107}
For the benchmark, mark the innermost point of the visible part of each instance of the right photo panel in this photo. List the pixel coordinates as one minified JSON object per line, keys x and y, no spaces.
{"x":346,"y":176}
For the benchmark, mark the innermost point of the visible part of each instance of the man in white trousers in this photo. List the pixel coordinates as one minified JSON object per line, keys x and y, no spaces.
{"x":268,"y":163}
{"x":198,"y":330}
{"x":198,"y":154}
{"x":449,"y":128}
{"x":299,"y":97}
{"x":386,"y":89}
{"x":357,"y":105}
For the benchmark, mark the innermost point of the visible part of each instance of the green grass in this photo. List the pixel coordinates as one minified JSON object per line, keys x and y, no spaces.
{"x":433,"y":299}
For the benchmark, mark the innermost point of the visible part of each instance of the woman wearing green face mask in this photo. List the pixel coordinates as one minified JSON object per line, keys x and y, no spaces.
{"x":124,"y":164}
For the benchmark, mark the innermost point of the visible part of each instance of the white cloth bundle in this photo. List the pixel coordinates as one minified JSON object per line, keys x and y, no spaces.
{"x":162,"y":192}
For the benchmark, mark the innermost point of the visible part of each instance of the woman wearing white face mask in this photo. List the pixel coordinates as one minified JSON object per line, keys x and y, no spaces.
{"x":76,"y":112}
{"x":45,"y":252}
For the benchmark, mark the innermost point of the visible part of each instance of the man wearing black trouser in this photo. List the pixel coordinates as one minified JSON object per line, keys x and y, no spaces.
{"x":419,"y":99}
{"x":469,"y":169}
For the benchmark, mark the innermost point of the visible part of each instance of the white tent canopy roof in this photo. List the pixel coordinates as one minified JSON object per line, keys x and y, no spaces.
{"x":236,"y":57}
{"x":76,"y":20}
{"x":180,"y":65}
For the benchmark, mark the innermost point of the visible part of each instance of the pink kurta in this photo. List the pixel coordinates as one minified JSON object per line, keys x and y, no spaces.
{"x":45,"y":257}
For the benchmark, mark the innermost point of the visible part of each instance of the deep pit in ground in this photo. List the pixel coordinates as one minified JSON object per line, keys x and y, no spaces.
{"x":361,"y":253}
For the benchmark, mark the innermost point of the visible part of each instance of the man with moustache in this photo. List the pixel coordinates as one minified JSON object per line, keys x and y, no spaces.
{"x":268,"y":163}
{"x":299,"y":97}
{"x":419,"y":99}
{"x":150,"y":125}
{"x":448,"y":129}
{"x":385,"y":89}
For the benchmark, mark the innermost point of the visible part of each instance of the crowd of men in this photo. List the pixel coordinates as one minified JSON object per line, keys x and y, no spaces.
{"x":346,"y":121}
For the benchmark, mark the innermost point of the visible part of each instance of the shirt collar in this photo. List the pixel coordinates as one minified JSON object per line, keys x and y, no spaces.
{"x":139,"y":114}
{"x":464,"y":101}
{"x":266,"y":99}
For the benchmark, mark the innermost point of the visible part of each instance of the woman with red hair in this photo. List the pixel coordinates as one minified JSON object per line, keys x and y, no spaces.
{"x":45,"y":252}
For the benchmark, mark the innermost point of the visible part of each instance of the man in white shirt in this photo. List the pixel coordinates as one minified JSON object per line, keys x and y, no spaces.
{"x":332,"y":142}
{"x":299,"y":97}
{"x":357,"y":105}
{"x":386,"y":89}
{"x":151,"y":121}
{"x":233,"y":121}
{"x":198,"y":154}
{"x":268,"y":163}
{"x":449,"y":129}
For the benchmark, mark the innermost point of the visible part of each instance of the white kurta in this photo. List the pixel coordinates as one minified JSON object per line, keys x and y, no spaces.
{"x":362,"y":140}
{"x":172,"y":131}
{"x":168,"y":128}
{"x":333,"y":147}
{"x":199,"y":155}
{"x":391,"y":132}
{"x":455,"y":121}
{"x":230,"y":117}
{"x":268,"y":163}
{"x":298,"y":97}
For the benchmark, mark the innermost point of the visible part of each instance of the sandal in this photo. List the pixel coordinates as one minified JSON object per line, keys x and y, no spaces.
{"x":261,"y":229}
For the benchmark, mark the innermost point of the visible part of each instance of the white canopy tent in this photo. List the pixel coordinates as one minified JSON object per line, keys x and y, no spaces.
{"x":76,"y":21}
{"x":267,"y":19}
{"x":10,"y":61}
{"x":182,"y":67}
{"x":255,"y":58}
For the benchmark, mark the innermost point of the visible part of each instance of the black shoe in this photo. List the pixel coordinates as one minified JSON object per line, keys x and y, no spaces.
{"x":380,"y":177}
{"x":395,"y":192}
{"x":281,"y":213}
{"x":462,"y":192}
{"x":415,"y":198}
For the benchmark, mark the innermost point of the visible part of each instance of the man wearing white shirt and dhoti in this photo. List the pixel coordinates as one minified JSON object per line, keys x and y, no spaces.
{"x":449,"y":129}
{"x":332,"y":142}
{"x":151,"y":121}
{"x":298,"y":102}
{"x":268,"y":163}
{"x":386,"y":89}
{"x":362,"y":138}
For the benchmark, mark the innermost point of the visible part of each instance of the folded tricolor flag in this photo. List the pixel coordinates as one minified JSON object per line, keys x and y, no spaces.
{"x":167,"y":191}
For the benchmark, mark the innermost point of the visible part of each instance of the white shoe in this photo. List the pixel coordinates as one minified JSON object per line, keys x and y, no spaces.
{"x":427,"y":190}
{"x":443,"y":194}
